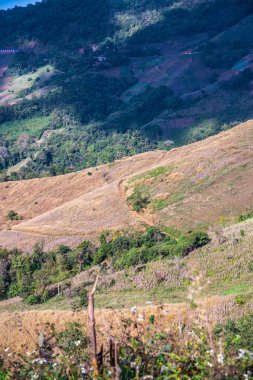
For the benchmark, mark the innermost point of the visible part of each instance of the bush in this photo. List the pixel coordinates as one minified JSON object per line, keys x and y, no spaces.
{"x":12,"y":215}
{"x":246,"y":216}
{"x":32,"y":300}
{"x":83,"y":295}
{"x":140,"y":198}
{"x":198,"y":239}
{"x":237,"y":334}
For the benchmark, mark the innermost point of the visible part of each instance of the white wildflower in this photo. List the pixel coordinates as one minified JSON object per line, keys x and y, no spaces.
{"x":149,"y":303}
{"x":132,"y":364}
{"x":7,"y":349}
{"x":209,"y":364}
{"x":241,"y":353}
{"x":220,"y":358}
{"x":133,"y":309}
{"x":140,"y":317}
{"x":77,"y":343}
{"x":40,"y":361}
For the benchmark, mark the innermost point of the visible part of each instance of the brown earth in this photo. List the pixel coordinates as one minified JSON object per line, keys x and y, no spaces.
{"x":206,"y":181}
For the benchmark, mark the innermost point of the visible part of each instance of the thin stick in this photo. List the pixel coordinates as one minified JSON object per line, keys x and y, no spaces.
{"x":91,"y":316}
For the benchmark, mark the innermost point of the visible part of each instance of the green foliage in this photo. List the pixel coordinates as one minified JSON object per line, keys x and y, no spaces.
{"x":238,"y":334}
{"x":140,"y":198}
{"x":149,"y":354}
{"x":94,"y":43}
{"x":31,"y":275}
{"x":159,"y":204}
{"x":32,"y":300}
{"x":83,"y":297}
{"x":13,"y":215}
{"x":246,"y":216}
{"x":73,"y":340}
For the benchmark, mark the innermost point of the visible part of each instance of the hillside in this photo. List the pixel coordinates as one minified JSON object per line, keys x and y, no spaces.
{"x":128,"y":77}
{"x":213,"y":283}
{"x":189,"y":187}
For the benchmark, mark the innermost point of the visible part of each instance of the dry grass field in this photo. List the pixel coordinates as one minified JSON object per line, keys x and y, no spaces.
{"x":196,"y":185}
{"x":25,"y":327}
{"x":213,"y":283}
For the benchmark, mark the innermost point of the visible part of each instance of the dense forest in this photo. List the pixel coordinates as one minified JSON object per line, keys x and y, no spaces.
{"x":83,"y":44}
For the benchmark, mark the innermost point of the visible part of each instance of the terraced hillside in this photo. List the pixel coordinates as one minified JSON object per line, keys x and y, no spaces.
{"x":199,"y":184}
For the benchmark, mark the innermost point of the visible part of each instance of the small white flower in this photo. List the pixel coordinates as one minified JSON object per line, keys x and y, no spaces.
{"x":140,"y":317}
{"x":132,"y":364}
{"x":209,"y":364}
{"x":10,"y":354}
{"x":220,"y":358}
{"x":133,"y":309}
{"x":77,"y":343}
{"x":149,"y":303}
{"x":241,"y":353}
{"x":7,"y":349}
{"x":40,"y":361}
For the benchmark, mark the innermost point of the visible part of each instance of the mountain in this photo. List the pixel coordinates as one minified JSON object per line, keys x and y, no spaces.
{"x":191,"y":187}
{"x":91,"y":82}
{"x":142,"y":207}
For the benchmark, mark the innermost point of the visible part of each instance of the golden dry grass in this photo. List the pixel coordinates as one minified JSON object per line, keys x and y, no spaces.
{"x":19,"y":331}
{"x":207,"y":181}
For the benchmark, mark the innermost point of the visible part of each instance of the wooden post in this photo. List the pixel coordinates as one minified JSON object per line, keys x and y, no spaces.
{"x":116,"y":361}
{"x":91,"y":316}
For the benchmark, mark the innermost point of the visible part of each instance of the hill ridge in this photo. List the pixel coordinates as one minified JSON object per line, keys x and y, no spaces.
{"x":81,"y":207}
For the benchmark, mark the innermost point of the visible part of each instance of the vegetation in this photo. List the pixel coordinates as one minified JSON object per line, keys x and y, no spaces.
{"x":32,"y":275}
{"x":13,"y":215}
{"x":246,"y":216}
{"x":196,"y":352}
{"x":97,"y":111}
{"x":139,"y":198}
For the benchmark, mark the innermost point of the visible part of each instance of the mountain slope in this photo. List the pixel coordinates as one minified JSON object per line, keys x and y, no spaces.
{"x":130,"y":77}
{"x":199,"y":184}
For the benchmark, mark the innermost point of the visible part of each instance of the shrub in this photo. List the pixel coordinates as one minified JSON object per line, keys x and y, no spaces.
{"x":12,"y":215}
{"x":246,"y":216}
{"x":73,"y":340}
{"x":63,"y":249}
{"x":238,"y":335}
{"x":140,"y":198}
{"x":32,"y":300}
{"x":83,"y":295}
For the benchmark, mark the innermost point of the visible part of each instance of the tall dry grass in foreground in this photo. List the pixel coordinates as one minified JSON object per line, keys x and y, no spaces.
{"x":139,"y":348}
